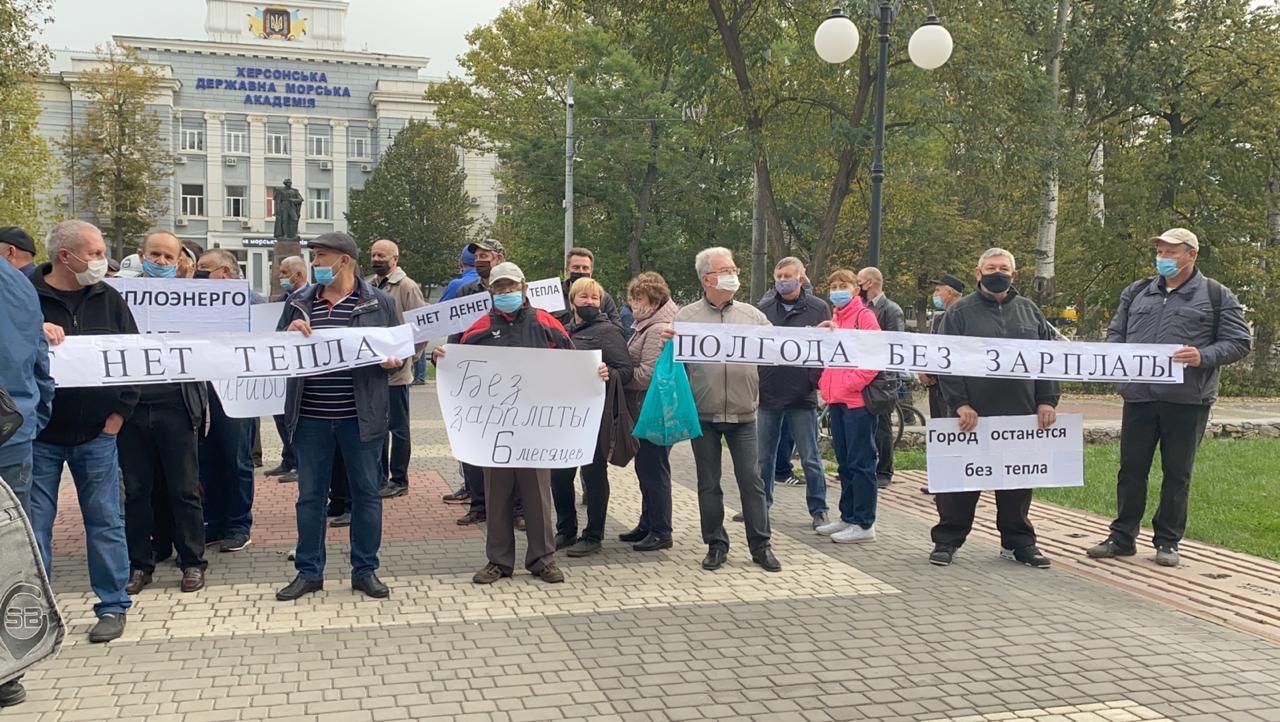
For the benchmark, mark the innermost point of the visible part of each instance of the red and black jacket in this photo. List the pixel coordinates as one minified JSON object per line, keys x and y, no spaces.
{"x":528,"y":327}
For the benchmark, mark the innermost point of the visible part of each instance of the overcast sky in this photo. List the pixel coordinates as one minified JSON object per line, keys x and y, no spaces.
{"x":434,"y":28}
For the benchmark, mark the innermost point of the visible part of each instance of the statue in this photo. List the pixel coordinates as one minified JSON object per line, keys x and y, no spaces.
{"x":288,"y":203}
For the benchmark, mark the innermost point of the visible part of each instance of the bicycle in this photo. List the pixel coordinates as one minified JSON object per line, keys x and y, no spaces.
{"x":903,"y":414}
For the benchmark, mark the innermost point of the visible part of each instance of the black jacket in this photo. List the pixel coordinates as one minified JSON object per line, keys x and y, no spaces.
{"x":1015,"y":317}
{"x":374,"y":309}
{"x":603,"y":335}
{"x":607,"y":307}
{"x":792,"y":387}
{"x":79,"y":413}
{"x":528,"y":327}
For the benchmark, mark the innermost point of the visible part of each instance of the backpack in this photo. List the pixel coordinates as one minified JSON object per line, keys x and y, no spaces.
{"x":881,"y":395}
{"x":1215,"y":301}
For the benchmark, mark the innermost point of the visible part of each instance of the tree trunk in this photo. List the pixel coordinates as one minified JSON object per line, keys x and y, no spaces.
{"x":644,"y":201}
{"x":1047,"y":236}
{"x":1097,"y":187}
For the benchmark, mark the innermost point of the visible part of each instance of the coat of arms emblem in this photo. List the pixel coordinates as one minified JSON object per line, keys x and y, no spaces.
{"x":274,"y":22}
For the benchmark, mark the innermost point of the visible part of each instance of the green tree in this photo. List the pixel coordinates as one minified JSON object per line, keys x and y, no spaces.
{"x":28,"y":171}
{"x":417,"y":198}
{"x":118,"y":160}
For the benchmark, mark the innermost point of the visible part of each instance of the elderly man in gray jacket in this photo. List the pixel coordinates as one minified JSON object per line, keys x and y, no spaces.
{"x":1180,"y":305}
{"x":727,"y":396}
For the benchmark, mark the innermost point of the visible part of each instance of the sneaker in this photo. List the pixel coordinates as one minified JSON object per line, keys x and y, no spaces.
{"x":1029,"y":555}
{"x":1109,"y":549}
{"x":883,"y":481}
{"x":819,"y":519}
{"x":343,"y":519}
{"x":460,"y":496}
{"x":236,"y":542}
{"x":941,"y":555}
{"x":110,"y":626}
{"x":490,"y":574}
{"x":12,"y":693}
{"x":584,"y":547}
{"x":277,"y":470}
{"x":550,"y":573}
{"x":564,"y":541}
{"x":1167,"y":556}
{"x":390,"y":491}
{"x":470,"y":518}
{"x":834,"y":527}
{"x":791,"y":481}
{"x":854,"y":535}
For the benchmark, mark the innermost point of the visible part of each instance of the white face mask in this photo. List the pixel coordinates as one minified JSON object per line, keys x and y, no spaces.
{"x":96,"y":271}
{"x":728,"y":282}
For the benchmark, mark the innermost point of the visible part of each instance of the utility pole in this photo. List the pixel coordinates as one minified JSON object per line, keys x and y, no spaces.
{"x":758,"y":251}
{"x":568,"y":170}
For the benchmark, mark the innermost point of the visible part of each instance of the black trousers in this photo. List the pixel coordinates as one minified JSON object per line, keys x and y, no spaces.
{"x":956,"y":511}
{"x":595,"y":487}
{"x":287,"y":458}
{"x":473,"y":478}
{"x":884,"y":449}
{"x":396,"y":447}
{"x":1177,"y":429}
{"x":653,"y":469}
{"x":158,"y":448}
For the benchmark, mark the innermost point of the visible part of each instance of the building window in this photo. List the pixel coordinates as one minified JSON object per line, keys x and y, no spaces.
{"x":237,"y":205}
{"x":192,"y":200}
{"x":192,"y":139}
{"x":271,"y":202}
{"x":318,"y":145}
{"x":237,"y":142}
{"x":277,"y":144}
{"x":319,"y":203}
{"x":359,"y":145}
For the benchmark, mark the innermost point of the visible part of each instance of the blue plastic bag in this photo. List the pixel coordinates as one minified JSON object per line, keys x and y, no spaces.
{"x":669,"y":414}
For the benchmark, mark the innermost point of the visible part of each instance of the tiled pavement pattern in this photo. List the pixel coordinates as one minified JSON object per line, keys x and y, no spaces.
{"x":844,"y":632}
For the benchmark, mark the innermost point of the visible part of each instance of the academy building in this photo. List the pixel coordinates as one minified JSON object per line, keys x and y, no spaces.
{"x":273,"y":93}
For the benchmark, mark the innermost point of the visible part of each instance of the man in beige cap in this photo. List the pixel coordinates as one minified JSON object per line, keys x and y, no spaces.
{"x":1181,"y":306}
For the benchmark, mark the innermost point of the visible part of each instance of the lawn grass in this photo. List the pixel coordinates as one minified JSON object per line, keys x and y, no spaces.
{"x":1235,"y":491}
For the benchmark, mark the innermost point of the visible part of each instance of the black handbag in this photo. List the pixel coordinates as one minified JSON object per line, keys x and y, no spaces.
{"x":881,"y":395}
{"x":10,"y":417}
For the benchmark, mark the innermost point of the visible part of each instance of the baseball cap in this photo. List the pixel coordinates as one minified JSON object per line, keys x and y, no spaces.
{"x":1179,"y":236}
{"x":18,"y":238}
{"x":113,"y":265}
{"x":487,"y":244}
{"x":468,"y":256}
{"x":506,"y":271}
{"x":131,"y":266}
{"x":338,"y":241}
{"x":947,"y":279}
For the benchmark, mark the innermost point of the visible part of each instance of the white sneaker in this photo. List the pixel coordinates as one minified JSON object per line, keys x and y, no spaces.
{"x":854,"y":535}
{"x":838,"y":525}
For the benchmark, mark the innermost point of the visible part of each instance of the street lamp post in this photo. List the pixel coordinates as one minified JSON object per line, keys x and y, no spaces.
{"x":836,"y":40}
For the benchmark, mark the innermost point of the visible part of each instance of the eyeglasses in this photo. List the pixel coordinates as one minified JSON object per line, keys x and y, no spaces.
{"x":722,"y":271}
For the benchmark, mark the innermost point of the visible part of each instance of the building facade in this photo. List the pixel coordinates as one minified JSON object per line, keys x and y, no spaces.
{"x":271,"y":94}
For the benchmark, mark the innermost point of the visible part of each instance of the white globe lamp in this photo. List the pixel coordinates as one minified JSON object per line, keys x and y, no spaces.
{"x":930,"y":45}
{"x":836,"y":39}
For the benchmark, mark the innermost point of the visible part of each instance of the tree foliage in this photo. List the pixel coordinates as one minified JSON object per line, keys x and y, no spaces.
{"x":417,"y":198}
{"x":28,"y":170}
{"x":118,"y":160}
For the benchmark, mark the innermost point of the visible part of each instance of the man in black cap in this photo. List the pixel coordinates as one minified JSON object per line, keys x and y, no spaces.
{"x":345,"y":410}
{"x":19,"y":249}
{"x":947,"y":289}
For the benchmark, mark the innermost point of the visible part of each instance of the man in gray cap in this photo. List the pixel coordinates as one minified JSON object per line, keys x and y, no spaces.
{"x":346,"y":410}
{"x":1179,"y":305}
{"x":18,"y":248}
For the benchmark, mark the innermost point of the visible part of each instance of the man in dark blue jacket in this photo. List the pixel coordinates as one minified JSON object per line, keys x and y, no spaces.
{"x":789,"y":394}
{"x":344,"y":409}
{"x":24,"y":374}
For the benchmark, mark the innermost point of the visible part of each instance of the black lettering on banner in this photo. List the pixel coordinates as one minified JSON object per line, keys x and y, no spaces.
{"x":993,"y":360}
{"x":181,"y":352}
{"x":365,"y":346}
{"x":684,"y":345}
{"x":107,"y":363}
{"x":1046,"y":360}
{"x":1099,"y":365}
{"x":782,"y":350}
{"x":762,"y":341}
{"x":244,"y":354}
{"x":972,"y":469}
{"x":1019,"y":363}
{"x":838,"y":349}
{"x":945,"y":352}
{"x":1119,"y":369}
{"x":575,"y":421}
{"x":702,"y":347}
{"x":278,"y":362}
{"x":896,"y":359}
{"x":1067,"y":360}
{"x":919,"y":356}
{"x":813,"y":354}
{"x":1161,"y":372}
{"x":1024,"y":469}
{"x":514,"y":396}
{"x":469,"y":378}
{"x":151,"y":360}
{"x":952,"y":437}
{"x":189,"y":298}
{"x":737,"y":348}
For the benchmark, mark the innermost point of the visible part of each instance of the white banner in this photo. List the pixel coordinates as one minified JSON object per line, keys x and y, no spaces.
{"x":926,"y":353}
{"x":456,"y":315}
{"x":520,"y":407}
{"x":186,"y":305}
{"x":1005,"y":452}
{"x":263,"y":317}
{"x":251,"y":398}
{"x":136,"y":359}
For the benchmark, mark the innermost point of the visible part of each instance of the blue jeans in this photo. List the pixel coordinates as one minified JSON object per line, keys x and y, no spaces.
{"x":18,"y":477}
{"x":803,"y":425}
{"x":420,"y":369}
{"x":95,"y":468}
{"x":853,"y":434}
{"x":314,"y":441}
{"x":786,"y":447}
{"x":226,"y":473}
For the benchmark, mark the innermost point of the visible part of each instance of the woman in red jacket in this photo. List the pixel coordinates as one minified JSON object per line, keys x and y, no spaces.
{"x":853,"y":429}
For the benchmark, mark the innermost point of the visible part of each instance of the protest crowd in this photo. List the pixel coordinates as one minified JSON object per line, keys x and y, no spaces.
{"x":164,"y":471}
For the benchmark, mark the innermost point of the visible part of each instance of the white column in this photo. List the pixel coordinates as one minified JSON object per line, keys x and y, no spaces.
{"x":214,"y":190}
{"x":298,"y":168}
{"x":258,"y":172}
{"x":339,"y":195}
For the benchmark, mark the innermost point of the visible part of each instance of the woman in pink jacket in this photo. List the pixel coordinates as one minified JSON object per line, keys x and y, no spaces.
{"x":853,"y":429}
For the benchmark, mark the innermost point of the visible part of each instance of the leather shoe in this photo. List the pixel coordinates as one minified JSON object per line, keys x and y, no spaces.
{"x":299,"y":587}
{"x":652,"y":543}
{"x":390,"y":491}
{"x":634,"y":535}
{"x":767,"y":561}
{"x":372,"y":586}
{"x":564,"y":541}
{"x":137,"y":580}
{"x":277,"y":470}
{"x":192,"y":579}
{"x":340,"y":520}
{"x":714,"y":559}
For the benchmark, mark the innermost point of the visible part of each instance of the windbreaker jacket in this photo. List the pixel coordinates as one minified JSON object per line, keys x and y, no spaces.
{"x":725,"y":393}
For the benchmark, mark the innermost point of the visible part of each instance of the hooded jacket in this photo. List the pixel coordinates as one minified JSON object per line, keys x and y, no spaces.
{"x":844,"y":386}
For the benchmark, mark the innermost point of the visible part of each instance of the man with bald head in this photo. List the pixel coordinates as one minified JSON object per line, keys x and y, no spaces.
{"x":407,"y":294}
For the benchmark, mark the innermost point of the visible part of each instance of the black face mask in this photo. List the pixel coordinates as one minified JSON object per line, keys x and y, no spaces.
{"x":575,"y":275}
{"x":996,"y":282}
{"x":588,"y":314}
{"x":202,"y":274}
{"x":382,"y":268}
{"x":483,"y":268}
{"x":862,"y":294}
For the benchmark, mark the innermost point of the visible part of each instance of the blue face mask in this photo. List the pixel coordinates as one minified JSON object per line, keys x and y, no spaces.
{"x":937,"y":302}
{"x":508,"y":302}
{"x":286,"y":284}
{"x":324,"y":274}
{"x":841,"y":298}
{"x":786,"y":288}
{"x":1167,"y":267}
{"x":151,"y":269}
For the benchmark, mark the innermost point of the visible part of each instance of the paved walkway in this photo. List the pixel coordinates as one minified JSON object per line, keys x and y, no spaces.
{"x":844,"y":632}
